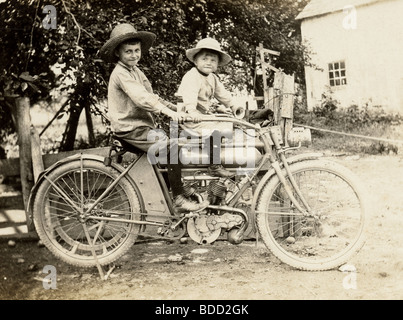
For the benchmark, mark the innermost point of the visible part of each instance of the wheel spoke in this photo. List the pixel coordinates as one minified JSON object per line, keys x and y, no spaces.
{"x":63,"y":195}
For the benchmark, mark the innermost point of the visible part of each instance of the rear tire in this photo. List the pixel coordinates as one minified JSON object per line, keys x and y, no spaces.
{"x":68,"y":190}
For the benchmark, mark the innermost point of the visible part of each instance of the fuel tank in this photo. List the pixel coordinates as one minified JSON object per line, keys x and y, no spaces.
{"x":230,"y":156}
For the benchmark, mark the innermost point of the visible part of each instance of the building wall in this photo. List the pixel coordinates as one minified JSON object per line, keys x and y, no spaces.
{"x":373,"y":53}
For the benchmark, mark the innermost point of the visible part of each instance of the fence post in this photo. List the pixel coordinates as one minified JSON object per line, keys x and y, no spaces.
{"x":36,"y":153}
{"x":24,"y":143}
{"x":284,"y":103}
{"x":264,"y":74}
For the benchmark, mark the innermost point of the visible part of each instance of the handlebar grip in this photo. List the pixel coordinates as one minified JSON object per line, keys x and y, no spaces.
{"x":186,"y":119}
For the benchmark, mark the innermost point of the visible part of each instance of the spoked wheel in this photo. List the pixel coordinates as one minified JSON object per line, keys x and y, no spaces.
{"x":69,"y":191}
{"x":327,"y":238}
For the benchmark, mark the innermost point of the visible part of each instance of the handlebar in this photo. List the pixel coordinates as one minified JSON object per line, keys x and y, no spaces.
{"x":266,"y":139}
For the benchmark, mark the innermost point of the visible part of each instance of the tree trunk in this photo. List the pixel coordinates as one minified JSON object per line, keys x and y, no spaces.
{"x":78,"y":102}
{"x":69,"y":136}
{"x":90,"y":126}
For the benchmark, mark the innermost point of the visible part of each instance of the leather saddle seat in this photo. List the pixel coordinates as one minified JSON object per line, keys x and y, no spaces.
{"x":127,"y":147}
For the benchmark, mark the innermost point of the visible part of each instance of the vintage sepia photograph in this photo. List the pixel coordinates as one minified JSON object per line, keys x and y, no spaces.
{"x":200,"y":155}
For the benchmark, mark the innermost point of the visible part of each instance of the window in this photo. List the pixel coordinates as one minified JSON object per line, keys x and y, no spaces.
{"x":337,"y":74}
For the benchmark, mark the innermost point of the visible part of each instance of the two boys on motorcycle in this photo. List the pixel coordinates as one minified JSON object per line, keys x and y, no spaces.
{"x":132,"y":105}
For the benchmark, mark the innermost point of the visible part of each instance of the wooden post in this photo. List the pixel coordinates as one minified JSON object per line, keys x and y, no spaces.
{"x":278,"y":89}
{"x":36,"y":153}
{"x":283,"y":113}
{"x":24,"y":142}
{"x":279,"y":98}
{"x":287,"y":110}
{"x":268,"y":92}
{"x":264,"y":75}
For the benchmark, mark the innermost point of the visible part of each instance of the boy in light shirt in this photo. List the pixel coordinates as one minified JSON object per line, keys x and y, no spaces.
{"x":198,"y":89}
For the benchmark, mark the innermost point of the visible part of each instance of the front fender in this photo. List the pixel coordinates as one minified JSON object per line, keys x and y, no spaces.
{"x":270,"y":173}
{"x":49,"y":169}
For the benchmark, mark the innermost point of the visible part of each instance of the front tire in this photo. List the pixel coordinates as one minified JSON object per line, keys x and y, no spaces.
{"x":321,"y":242}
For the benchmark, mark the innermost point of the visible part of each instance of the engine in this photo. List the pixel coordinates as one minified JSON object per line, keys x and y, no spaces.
{"x":206,"y":226}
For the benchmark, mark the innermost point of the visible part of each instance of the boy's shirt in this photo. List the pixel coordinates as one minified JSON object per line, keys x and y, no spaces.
{"x":131,"y":100}
{"x":198,"y":91}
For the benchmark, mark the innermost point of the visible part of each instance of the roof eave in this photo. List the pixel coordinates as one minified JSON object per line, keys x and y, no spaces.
{"x":302,"y":15}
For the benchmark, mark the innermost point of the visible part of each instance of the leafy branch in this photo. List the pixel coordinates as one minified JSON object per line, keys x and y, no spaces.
{"x":76,"y":23}
{"x":31,"y":37}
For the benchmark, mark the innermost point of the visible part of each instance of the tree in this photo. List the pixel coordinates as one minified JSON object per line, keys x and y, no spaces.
{"x":30,"y":50}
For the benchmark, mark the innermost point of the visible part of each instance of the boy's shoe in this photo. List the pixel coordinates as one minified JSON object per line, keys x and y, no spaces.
{"x":217,"y":170}
{"x":183,"y":204}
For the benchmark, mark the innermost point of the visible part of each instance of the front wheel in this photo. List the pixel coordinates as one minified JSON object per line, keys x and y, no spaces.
{"x":327,"y":238}
{"x":71,"y":189}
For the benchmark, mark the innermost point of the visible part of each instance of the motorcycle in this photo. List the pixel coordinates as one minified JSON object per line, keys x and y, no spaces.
{"x":89,"y":210}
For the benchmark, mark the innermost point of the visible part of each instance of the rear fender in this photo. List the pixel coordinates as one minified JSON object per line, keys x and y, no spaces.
{"x":57,"y":164}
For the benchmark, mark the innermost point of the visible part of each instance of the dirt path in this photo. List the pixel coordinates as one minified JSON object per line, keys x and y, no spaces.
{"x":158,"y":270}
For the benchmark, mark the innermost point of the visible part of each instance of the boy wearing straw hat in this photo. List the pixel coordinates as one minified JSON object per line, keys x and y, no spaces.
{"x":132,"y":104}
{"x":198,"y":88}
{"x":131,"y":101}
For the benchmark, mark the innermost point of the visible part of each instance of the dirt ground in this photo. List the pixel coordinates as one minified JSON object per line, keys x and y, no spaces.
{"x":158,"y":270}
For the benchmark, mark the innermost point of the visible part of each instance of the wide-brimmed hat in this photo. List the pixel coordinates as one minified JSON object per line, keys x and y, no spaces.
{"x":211,"y":44}
{"x":123,"y":32}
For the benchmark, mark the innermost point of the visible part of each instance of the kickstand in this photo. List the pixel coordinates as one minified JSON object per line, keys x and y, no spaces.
{"x":99,"y":267}
{"x":109,"y":272}
{"x":257,"y":234}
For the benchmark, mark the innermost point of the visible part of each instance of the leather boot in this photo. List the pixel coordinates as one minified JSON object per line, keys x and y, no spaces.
{"x":183,"y":204}
{"x":217,"y":170}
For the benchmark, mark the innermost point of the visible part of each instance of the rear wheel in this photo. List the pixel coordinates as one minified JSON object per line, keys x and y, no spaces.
{"x":67,"y":192}
{"x":331,"y":235}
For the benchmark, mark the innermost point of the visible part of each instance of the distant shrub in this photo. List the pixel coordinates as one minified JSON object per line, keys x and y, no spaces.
{"x":351,"y":118}
{"x":367,"y":121}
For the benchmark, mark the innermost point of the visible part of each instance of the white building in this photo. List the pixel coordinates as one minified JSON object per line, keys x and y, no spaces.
{"x":358,"y":46}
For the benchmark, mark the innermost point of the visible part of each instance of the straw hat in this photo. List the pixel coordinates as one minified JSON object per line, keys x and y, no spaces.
{"x":212,"y":44}
{"x":122,"y":32}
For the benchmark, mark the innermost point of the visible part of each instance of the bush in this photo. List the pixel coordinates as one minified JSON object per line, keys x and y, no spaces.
{"x":367,"y":121}
{"x":350,"y":119}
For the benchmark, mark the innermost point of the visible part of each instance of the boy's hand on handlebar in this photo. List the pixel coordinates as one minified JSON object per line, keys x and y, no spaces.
{"x":193,"y":117}
{"x":182,"y":117}
{"x":172,"y":106}
{"x":175,"y":116}
{"x":223,"y":109}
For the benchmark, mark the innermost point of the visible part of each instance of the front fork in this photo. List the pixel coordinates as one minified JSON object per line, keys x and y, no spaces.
{"x":291,"y":184}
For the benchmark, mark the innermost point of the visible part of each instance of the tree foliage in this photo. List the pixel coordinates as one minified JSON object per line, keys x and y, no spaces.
{"x":29,"y":51}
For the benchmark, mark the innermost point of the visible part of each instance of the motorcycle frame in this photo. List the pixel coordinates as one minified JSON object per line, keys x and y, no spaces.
{"x":268,"y":157}
{"x":140,"y":170}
